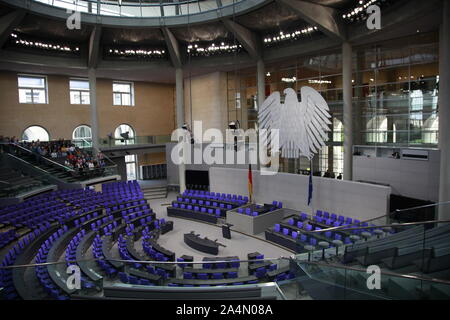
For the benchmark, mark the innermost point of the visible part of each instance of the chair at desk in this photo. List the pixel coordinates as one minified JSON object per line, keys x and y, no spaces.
{"x":123,"y":277}
{"x":217,"y":276}
{"x":202,"y":276}
{"x":260,"y":272}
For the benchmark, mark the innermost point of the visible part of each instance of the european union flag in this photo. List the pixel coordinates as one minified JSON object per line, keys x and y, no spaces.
{"x":310,"y":189}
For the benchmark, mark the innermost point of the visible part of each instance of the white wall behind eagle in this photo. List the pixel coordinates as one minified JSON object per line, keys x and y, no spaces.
{"x":352,"y":199}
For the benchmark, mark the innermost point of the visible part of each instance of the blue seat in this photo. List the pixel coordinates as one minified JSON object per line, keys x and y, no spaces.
{"x":294,"y":234}
{"x":285,"y":231}
{"x":255,"y":214}
{"x":217,"y":275}
{"x":232,"y":275}
{"x":277,"y":227}
{"x":333,"y":216}
{"x":299,"y":224}
{"x":291,"y":221}
{"x":241,"y":210}
{"x":188,"y":275}
{"x":260,"y":272}
{"x":133,"y":280}
{"x":123,"y":277}
{"x":326,"y":215}
{"x":319,"y":213}
{"x":202,"y":276}
{"x":303,"y":238}
{"x":145,"y":282}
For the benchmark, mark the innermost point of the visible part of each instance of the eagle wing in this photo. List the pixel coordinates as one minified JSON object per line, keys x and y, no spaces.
{"x":269,"y":116}
{"x":316,"y":119}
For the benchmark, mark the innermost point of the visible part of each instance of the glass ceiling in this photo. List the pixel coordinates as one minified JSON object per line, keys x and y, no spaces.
{"x":140,"y":8}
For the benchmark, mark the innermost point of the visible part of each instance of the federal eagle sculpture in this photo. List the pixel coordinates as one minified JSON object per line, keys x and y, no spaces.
{"x":303,"y":125}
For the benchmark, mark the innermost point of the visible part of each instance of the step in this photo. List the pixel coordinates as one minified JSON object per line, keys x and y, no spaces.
{"x":154,"y":189}
{"x":154,"y":197}
{"x":155,"y":193}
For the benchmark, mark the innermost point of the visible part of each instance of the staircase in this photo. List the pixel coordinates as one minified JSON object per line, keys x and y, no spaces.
{"x":153,"y":193}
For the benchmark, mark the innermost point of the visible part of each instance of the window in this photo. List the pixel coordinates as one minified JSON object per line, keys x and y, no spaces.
{"x":124,"y":134}
{"x":82,"y":136}
{"x":35,"y":133}
{"x":130,"y":161}
{"x":79,"y":91}
{"x":32,"y":89}
{"x":123,"y":94}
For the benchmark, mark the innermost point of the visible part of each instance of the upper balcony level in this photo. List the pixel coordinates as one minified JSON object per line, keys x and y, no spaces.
{"x":142,"y":12}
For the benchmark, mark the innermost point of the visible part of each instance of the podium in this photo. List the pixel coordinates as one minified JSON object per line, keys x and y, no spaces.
{"x":226,"y":232}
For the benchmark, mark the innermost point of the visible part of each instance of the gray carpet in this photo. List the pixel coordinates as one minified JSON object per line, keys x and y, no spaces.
{"x":239,"y":244}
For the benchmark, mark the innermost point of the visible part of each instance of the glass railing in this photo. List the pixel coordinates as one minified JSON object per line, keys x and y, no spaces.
{"x":380,"y":258}
{"x":140,"y":9}
{"x":137,"y":140}
{"x":55,"y":169}
{"x":117,"y":278}
{"x":25,"y":184}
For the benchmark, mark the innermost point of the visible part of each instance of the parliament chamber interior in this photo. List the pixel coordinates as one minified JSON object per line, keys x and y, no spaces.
{"x":224,"y":150}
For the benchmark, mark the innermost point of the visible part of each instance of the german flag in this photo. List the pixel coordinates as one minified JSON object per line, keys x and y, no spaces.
{"x":250,"y":183}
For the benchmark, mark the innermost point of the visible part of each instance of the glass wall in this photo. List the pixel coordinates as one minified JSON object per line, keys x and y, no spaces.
{"x":396,"y":86}
{"x":395,"y":96}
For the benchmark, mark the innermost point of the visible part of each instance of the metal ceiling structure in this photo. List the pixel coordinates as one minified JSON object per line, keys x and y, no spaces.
{"x":42,"y":22}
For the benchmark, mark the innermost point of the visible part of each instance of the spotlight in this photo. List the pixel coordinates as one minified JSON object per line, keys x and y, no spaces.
{"x":234,"y":125}
{"x":186,"y":128}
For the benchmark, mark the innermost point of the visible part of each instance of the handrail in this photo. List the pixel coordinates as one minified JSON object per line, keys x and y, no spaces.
{"x":290,"y":258}
{"x":45,"y":158}
{"x":383,"y":272}
{"x":142,"y":262}
{"x":37,"y":168}
{"x":348,"y":227}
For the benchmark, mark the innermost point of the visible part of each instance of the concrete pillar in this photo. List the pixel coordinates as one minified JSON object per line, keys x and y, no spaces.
{"x":92,"y":74}
{"x":444,"y":111}
{"x":179,"y":91}
{"x":261,"y":82}
{"x":348,"y":112}
{"x":261,"y":92}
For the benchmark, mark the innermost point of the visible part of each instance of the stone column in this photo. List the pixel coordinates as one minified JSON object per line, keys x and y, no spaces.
{"x":179,"y":90}
{"x":444,"y":111}
{"x":348,"y":112}
{"x":92,"y":74}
